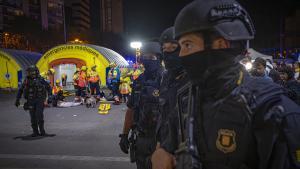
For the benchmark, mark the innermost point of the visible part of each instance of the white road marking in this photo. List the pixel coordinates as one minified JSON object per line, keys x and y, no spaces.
{"x":64,"y":157}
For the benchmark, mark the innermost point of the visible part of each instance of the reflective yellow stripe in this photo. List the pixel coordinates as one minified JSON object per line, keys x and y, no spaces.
{"x":239,"y":82}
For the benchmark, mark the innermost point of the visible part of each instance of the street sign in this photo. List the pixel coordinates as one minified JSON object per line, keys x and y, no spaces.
{"x":7,"y":76}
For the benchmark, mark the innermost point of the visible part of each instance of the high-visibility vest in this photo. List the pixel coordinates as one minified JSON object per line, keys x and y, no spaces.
{"x":45,"y":75}
{"x":93,"y":77}
{"x":125,"y":85}
{"x":56,"y":89}
{"x":75,"y":78}
{"x":136,"y":74}
{"x":82,"y":79}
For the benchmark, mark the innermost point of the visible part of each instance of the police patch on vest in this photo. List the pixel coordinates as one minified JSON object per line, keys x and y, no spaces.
{"x":226,"y":141}
{"x":155,"y":93}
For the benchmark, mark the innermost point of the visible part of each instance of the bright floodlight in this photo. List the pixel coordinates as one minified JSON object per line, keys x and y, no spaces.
{"x":248,"y":65}
{"x":136,"y":45}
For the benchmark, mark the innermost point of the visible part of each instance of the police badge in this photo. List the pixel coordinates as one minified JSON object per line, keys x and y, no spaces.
{"x":155,"y":93}
{"x":226,"y":141}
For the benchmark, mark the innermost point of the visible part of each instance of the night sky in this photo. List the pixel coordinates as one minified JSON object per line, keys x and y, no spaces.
{"x":147,"y":19}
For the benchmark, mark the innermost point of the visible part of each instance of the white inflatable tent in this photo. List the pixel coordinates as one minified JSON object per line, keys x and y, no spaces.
{"x":254,"y":54}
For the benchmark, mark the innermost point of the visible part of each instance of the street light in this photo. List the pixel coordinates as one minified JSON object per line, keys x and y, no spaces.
{"x":137,"y":46}
{"x":6,"y":39}
{"x":76,"y":40}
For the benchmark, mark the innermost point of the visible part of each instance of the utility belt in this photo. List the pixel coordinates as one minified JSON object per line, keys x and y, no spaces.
{"x":147,"y":133}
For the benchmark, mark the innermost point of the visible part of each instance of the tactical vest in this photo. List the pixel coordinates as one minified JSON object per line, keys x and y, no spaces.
{"x":167,"y":129}
{"x":34,"y":89}
{"x":146,"y":93}
{"x":214,"y":133}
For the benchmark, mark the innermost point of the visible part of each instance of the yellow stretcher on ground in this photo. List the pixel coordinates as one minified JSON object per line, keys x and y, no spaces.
{"x":104,"y":108}
{"x":67,"y":93}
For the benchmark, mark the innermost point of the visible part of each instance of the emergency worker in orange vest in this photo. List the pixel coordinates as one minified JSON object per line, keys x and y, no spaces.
{"x":82,"y":82}
{"x":57,"y":87}
{"x":75,"y":83}
{"x":137,"y":71}
{"x":57,"y":92}
{"x":94,"y":81}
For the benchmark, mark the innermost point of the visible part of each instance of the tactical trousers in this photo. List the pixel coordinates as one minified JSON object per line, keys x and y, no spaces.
{"x":145,"y":146}
{"x":36,"y":113}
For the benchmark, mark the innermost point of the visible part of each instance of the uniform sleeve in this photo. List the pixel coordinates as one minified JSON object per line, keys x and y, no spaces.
{"x":290,"y":127}
{"x":21,"y":89}
{"x":277,"y":133}
{"x":130,"y":103}
{"x":167,"y":129}
{"x":47,"y":86}
{"x":168,"y":132}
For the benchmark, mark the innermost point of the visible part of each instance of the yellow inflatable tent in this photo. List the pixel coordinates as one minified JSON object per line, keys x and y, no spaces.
{"x":13,"y":65}
{"x":66,"y":58}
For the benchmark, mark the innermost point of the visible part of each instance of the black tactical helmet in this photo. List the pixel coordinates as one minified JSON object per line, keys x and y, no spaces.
{"x":32,"y":71}
{"x":225,"y":17}
{"x":167,"y":35}
{"x":151,"y":47}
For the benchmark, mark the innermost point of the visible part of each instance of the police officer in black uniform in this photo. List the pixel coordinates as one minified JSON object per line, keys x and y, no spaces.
{"x":173,"y":78}
{"x":228,"y":119}
{"x":35,"y":90}
{"x":143,"y":107}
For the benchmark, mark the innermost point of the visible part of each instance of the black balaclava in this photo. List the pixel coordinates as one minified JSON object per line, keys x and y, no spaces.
{"x":172,"y":61}
{"x":151,"y":66}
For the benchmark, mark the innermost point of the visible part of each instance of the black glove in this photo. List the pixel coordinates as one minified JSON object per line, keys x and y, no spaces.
{"x":50,"y":99}
{"x":124,"y":143}
{"x":17,"y":103}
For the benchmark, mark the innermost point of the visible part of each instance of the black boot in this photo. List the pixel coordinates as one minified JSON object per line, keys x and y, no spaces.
{"x":42,"y":130}
{"x":35,"y":130}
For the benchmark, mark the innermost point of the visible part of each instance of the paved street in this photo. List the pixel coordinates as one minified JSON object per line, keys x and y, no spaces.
{"x":84,"y":139}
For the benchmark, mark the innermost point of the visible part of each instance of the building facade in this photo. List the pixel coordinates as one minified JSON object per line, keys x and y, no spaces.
{"x":78,"y":15}
{"x":48,"y":13}
{"x":112,"y":16}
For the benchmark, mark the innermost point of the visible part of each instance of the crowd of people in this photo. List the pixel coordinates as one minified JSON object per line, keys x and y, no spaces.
{"x":87,"y":83}
{"x":120,"y":80}
{"x":286,"y":75}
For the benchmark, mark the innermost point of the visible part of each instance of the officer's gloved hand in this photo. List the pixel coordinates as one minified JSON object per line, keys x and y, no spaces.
{"x":17,"y":103}
{"x":50,"y":98}
{"x":124,"y":143}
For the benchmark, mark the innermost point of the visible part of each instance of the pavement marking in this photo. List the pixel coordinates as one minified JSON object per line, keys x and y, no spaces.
{"x":64,"y":157}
